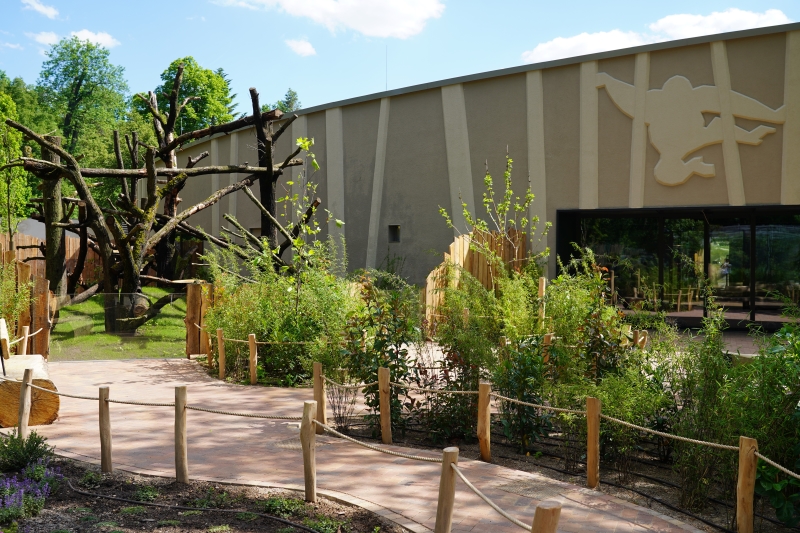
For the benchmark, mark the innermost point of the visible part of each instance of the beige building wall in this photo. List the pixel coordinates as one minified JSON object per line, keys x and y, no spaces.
{"x":711,"y":121}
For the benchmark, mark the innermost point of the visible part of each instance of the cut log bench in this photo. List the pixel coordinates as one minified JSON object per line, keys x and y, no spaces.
{"x":44,"y":406}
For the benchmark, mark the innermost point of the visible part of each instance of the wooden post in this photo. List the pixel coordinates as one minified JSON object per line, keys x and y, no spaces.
{"x":206,"y":290}
{"x":635,"y":338}
{"x":23,"y":276}
{"x":484,"y":421}
{"x":447,"y":492}
{"x":548,"y":341}
{"x":545,"y":520}
{"x":308,"y":441}
{"x":221,"y":355}
{"x":41,"y":317}
{"x":23,"y":344}
{"x":181,"y":445}
{"x":385,"y":389}
{"x":319,"y":397}
{"x":24,"y":403}
{"x":746,"y":484}
{"x":253,"y":358}
{"x":642,"y":338}
{"x":105,"y":431}
{"x":194,"y":302}
{"x":592,"y":442}
{"x":680,"y":297}
{"x":689,"y":300}
{"x":613,"y":294}
{"x":542,"y":287}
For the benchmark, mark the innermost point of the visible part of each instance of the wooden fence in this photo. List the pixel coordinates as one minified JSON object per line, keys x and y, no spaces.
{"x":466,"y":254}
{"x":29,"y":247}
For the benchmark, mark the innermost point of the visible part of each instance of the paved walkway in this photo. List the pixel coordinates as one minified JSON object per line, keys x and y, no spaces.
{"x":267,"y":453}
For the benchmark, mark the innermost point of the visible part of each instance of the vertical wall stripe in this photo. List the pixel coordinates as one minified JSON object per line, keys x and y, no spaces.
{"x":214,"y":187}
{"x":459,"y":166}
{"x":730,"y":150}
{"x":233,"y":160}
{"x":588,"y":183}
{"x":790,"y":174}
{"x":536,"y":155}
{"x":377,"y":184}
{"x":641,"y":82}
{"x":299,"y":128}
{"x":334,"y":153}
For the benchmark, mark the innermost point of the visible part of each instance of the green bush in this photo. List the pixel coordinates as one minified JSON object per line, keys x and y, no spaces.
{"x":16,"y":452}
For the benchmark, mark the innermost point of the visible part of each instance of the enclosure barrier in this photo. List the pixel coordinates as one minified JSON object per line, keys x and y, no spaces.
{"x":311,"y":424}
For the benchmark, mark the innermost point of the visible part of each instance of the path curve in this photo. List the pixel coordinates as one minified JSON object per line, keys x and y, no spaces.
{"x":267,"y":453}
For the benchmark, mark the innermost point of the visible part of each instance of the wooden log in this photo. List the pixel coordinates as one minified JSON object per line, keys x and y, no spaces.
{"x":385,"y":388}
{"x":308,"y":441}
{"x":319,"y":397}
{"x":251,"y":339}
{"x":746,"y":484}
{"x":22,"y":348}
{"x":44,"y":406}
{"x":181,"y":443}
{"x":545,"y":519}
{"x":221,"y":353}
{"x":24,"y":412}
{"x":447,"y":492}
{"x":592,"y":442}
{"x":547,"y":342}
{"x":41,"y":317}
{"x":194,"y":295}
{"x":105,"y":431}
{"x":484,"y":421}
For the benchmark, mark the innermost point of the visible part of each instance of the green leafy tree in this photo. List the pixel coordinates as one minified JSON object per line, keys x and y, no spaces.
{"x":206,"y":92}
{"x":84,"y":90}
{"x":14,"y":190}
{"x":289,"y":103}
{"x":30,"y":109}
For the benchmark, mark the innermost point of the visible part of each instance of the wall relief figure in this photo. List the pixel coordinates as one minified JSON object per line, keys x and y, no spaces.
{"x":677,"y":128}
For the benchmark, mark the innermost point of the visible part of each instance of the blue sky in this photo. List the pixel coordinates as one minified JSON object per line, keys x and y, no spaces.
{"x":329,"y":50}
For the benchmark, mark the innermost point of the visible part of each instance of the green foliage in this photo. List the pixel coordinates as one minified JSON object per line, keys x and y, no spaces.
{"x":14,"y":189}
{"x":323,"y":524}
{"x":290,"y":102}
{"x":14,"y":298}
{"x":134,"y":509}
{"x":17,"y":452}
{"x":146,"y":493}
{"x":81,"y":86}
{"x":213,"y":499}
{"x":90,"y":480}
{"x":211,"y":90}
{"x":285,"y":507}
{"x":781,"y":492}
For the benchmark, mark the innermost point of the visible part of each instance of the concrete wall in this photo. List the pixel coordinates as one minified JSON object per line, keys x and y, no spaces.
{"x":706,"y":121}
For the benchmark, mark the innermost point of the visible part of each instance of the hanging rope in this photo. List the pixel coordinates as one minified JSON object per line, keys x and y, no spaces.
{"x":30,"y":336}
{"x":378,"y":448}
{"x":485,"y":498}
{"x":248,"y":415}
{"x":435,"y":391}
{"x":341,"y":386}
{"x":668,"y":436}
{"x":547,"y":407}
{"x":776,"y":465}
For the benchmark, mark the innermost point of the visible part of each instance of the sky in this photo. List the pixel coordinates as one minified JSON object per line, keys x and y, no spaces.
{"x":329,"y":50}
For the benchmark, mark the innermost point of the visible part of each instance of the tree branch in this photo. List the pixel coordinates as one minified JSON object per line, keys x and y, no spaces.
{"x":192,"y":161}
{"x":173,"y":100}
{"x":228,"y":127}
{"x":277,"y":134}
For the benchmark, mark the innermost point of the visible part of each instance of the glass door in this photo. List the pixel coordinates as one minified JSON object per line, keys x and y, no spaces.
{"x":729,"y":265}
{"x":777,"y":266}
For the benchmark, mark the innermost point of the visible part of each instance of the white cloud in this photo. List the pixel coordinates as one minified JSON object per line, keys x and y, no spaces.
{"x":48,"y":11}
{"x":679,"y":26}
{"x":44,"y":37}
{"x":301,"y":47}
{"x":684,"y":26}
{"x":384,"y":18}
{"x":102,"y":38}
{"x":13,"y":46}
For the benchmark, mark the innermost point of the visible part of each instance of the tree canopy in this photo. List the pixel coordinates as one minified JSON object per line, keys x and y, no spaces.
{"x":84,"y":90}
{"x":14,"y":190}
{"x":210,"y":91}
{"x":289,"y":103}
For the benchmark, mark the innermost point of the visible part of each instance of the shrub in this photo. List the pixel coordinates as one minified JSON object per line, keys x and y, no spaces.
{"x":24,"y":497}
{"x":17,"y":452}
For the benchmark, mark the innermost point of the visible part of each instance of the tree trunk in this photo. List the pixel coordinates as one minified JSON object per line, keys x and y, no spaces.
{"x":55,"y":246}
{"x":268,"y":189}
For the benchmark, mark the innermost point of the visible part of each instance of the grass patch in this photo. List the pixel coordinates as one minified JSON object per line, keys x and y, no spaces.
{"x":107,"y":524}
{"x":80,"y":332}
{"x":147,"y":494}
{"x":285,"y":507}
{"x":191,"y":513}
{"x":324,"y":524}
{"x":135,"y":509}
{"x":168,"y":523}
{"x":219,"y":529}
{"x":247,"y":517}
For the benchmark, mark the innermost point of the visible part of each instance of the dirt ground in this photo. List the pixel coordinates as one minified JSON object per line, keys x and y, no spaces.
{"x":219,"y":508}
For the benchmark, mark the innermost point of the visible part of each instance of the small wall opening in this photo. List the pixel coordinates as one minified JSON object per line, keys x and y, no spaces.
{"x":394,"y":233}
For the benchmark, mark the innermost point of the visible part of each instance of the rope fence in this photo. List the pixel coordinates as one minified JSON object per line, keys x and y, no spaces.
{"x":30,"y":336}
{"x":776,"y":465}
{"x":247,"y":415}
{"x":436,"y":391}
{"x":348,"y":387}
{"x":377,"y":448}
{"x":537,"y":406}
{"x":669,"y":436}
{"x":485,"y":498}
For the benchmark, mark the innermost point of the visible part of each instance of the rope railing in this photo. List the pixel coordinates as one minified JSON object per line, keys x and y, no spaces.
{"x":537,"y":406}
{"x":670,"y":436}
{"x":31,"y":385}
{"x":776,"y":465}
{"x":377,"y":448}
{"x":30,"y":336}
{"x":349,"y":387}
{"x":485,"y":498}
{"x":436,"y":391}
{"x":247,"y":415}
{"x":146,"y":404}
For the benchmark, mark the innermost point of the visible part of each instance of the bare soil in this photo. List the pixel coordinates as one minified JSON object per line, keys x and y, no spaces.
{"x":220,"y":508}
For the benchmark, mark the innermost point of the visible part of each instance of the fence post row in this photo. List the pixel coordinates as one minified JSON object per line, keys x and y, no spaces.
{"x":484,"y":421}
{"x":253,"y":358}
{"x":746,"y":484}
{"x":221,"y":350}
{"x":181,"y":446}
{"x":308,"y":441}
{"x":592,"y":442}
{"x":447,"y":492}
{"x":384,"y":386}
{"x":105,"y":431}
{"x":24,"y":403}
{"x":319,"y":397}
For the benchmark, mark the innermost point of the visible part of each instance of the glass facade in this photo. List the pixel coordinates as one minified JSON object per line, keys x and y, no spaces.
{"x":660,"y":258}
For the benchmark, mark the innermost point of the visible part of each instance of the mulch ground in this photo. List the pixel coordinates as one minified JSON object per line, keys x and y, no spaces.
{"x":220,"y":508}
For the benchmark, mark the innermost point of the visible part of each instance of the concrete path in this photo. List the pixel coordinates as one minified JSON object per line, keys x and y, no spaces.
{"x":230,"y":449}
